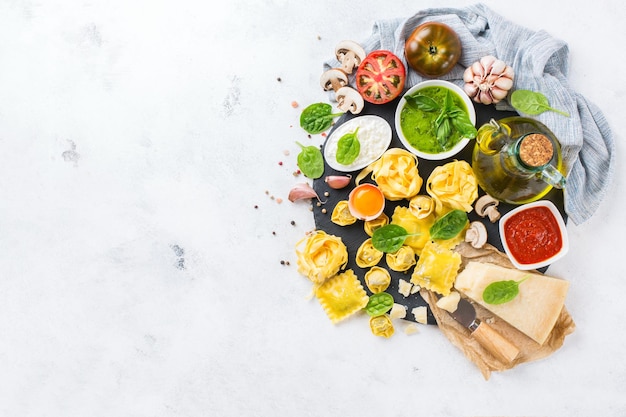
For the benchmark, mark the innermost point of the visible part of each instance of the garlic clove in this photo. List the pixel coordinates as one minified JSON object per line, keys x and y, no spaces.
{"x":338,"y":182}
{"x":302,"y":191}
{"x":488,"y":80}
{"x":503,"y":83}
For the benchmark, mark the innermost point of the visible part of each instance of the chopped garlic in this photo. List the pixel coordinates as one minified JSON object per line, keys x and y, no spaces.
{"x":398,"y":311}
{"x":404,"y":287}
{"x":420,"y":314}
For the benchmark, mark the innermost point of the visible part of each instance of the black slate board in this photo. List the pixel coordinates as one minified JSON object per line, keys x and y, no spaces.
{"x":354,"y":235}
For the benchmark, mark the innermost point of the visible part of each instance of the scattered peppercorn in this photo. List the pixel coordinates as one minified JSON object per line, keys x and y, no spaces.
{"x":280,"y":163}
{"x":274,"y":233}
{"x":293,"y":223}
{"x":326,"y":194}
{"x":323,"y":211}
{"x":278,"y":79}
{"x":256,"y":206}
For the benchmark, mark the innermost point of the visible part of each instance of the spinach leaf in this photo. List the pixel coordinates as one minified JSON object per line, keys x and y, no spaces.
{"x":317,"y":117}
{"x":390,"y":238}
{"x":379,"y":304}
{"x":501,"y":292}
{"x":532,"y":103}
{"x":348,"y":148}
{"x":449,"y":225}
{"x":422,"y":102}
{"x":310,"y":161}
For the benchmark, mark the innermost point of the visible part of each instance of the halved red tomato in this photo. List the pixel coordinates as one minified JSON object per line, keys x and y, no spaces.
{"x":380,"y":77}
{"x":433,"y":49}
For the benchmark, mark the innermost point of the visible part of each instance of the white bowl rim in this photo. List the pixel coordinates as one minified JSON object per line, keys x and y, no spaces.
{"x":434,"y":83}
{"x":559,"y":219}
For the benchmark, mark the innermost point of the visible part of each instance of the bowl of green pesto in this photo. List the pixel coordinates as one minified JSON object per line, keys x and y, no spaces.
{"x":435,"y":119}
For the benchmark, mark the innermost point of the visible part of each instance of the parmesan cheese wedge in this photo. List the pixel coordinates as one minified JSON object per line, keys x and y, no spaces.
{"x":536,"y":308}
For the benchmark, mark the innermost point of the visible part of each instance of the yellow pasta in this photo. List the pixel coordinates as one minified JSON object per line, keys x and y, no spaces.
{"x":342,"y":296}
{"x":402,"y":216}
{"x":422,"y":206}
{"x":377,"y":279}
{"x":402,"y":260}
{"x":367,"y":255}
{"x":436,"y":268}
{"x":395,"y":173}
{"x":382,"y":326}
{"x":453,"y":186}
{"x":371,"y":225}
{"x":341,"y":214}
{"x":321,"y":256}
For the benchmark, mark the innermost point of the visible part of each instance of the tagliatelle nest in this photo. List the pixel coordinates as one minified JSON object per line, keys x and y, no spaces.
{"x":454,"y":186}
{"x":321,"y":256}
{"x":395,"y":173}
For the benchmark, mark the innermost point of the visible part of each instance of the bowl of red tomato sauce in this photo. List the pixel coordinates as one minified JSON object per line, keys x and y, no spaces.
{"x":534,"y":235}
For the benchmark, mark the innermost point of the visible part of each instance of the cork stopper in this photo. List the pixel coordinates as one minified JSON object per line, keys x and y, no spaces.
{"x":536,"y":150}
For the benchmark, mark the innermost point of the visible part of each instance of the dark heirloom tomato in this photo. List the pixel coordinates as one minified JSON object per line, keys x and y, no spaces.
{"x":380,"y":77}
{"x":433,"y":49}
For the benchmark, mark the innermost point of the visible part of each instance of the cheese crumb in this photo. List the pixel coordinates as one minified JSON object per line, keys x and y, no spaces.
{"x":404,"y":287}
{"x":415,"y":289}
{"x":420,"y":314}
{"x":398,"y":311}
{"x":411,"y":329}
{"x":450,"y":302}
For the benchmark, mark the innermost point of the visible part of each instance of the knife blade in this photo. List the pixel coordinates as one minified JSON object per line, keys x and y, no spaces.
{"x":485,"y":335}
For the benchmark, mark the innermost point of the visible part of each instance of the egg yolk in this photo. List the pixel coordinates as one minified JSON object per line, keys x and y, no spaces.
{"x":367,"y":200}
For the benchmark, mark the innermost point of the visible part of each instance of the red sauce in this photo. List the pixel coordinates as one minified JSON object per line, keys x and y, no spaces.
{"x":533,"y":235}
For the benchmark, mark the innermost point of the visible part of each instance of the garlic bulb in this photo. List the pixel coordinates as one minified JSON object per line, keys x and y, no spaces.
{"x":488,"y":80}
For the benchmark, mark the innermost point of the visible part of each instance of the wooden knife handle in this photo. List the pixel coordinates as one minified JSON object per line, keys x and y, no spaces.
{"x":495,"y":343}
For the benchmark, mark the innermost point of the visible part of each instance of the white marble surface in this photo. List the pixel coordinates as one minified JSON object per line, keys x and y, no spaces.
{"x":136,"y":276}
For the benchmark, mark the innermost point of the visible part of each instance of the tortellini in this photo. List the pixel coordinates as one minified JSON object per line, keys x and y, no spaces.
{"x":382,"y":326}
{"x":321,"y":256}
{"x":395,"y":173}
{"x":377,"y":279}
{"x":367,"y":255}
{"x":370,"y":225}
{"x":453,"y":186}
{"x":341,"y":214}
{"x":402,"y":259}
{"x":422,"y":206}
{"x":342,"y":296}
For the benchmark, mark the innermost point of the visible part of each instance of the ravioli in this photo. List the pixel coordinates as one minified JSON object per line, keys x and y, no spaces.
{"x":342,"y":296}
{"x":403,"y":216}
{"x":436,"y":268}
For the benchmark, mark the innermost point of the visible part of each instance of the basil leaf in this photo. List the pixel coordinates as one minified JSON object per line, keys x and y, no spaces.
{"x":532,"y":103}
{"x":422,"y":102}
{"x":310,"y":161}
{"x":379,"y":304}
{"x":317,"y":117}
{"x":348,"y":148}
{"x":444,"y":130}
{"x":501,"y":292}
{"x":449,"y":225}
{"x":463,"y":124}
{"x":389,"y":238}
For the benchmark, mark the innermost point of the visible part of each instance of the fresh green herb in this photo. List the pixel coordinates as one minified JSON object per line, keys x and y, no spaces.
{"x":348,"y":148}
{"x":532,"y":103}
{"x":379,"y":304}
{"x":449,"y":225}
{"x":390,"y":238}
{"x":317,"y":117}
{"x":501,"y":292}
{"x":450,"y":117}
{"x":422,"y":102}
{"x":310,"y":161}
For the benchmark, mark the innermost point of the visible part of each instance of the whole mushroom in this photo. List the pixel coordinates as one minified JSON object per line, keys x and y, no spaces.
{"x":333,"y":79}
{"x":487,"y":206}
{"x":476,"y":234}
{"x":348,"y":99}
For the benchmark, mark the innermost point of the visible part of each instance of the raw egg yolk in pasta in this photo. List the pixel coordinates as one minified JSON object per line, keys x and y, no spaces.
{"x":366,"y":202}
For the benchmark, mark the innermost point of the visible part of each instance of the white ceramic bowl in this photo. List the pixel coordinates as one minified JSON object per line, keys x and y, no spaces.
{"x":435,"y":83}
{"x":528,"y":225}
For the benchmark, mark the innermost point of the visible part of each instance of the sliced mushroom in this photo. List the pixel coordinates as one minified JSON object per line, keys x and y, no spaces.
{"x":348,"y":99}
{"x":350,"y":54}
{"x":487,"y":206}
{"x":333,"y":79}
{"x":476,"y":234}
